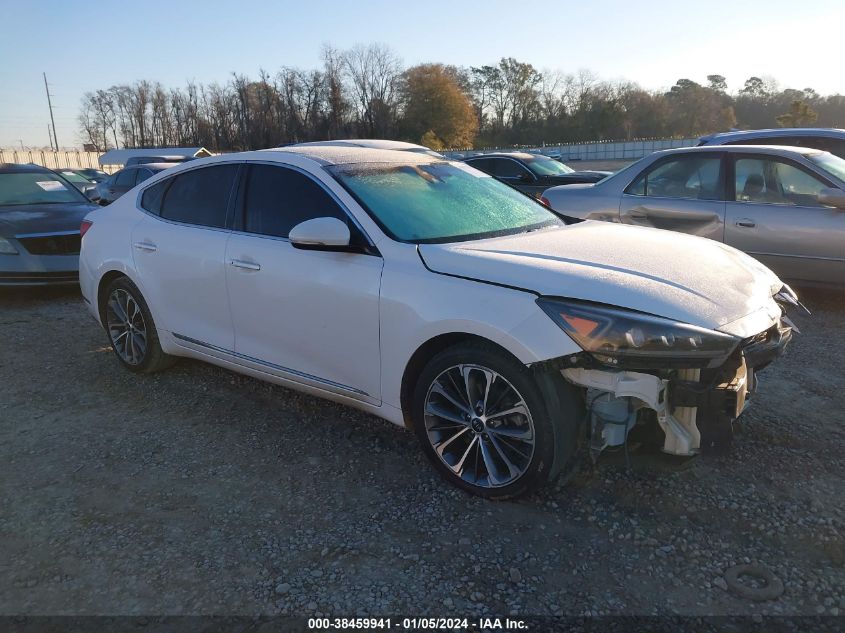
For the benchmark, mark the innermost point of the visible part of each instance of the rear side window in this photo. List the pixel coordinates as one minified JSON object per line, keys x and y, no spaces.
{"x":482,"y":164}
{"x":152,"y":197}
{"x":199,"y":196}
{"x":277,"y":199}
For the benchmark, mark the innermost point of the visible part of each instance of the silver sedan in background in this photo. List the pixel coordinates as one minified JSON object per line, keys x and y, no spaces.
{"x":783,"y":205}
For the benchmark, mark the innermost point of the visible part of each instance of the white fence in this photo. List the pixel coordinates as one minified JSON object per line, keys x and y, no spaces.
{"x":53,"y":160}
{"x":594,"y":151}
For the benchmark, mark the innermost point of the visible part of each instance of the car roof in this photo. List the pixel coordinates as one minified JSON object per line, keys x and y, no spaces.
{"x":775,"y":132}
{"x":783,"y":150}
{"x":517,"y":155}
{"x":158,"y":166}
{"x":344,"y":155}
{"x":9,"y":168}
{"x":372,"y":143}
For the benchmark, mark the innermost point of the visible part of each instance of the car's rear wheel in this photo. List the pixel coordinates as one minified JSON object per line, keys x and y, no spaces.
{"x":131,"y":329}
{"x":482,"y":420}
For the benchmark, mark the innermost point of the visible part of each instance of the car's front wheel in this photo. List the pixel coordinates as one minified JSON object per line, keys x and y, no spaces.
{"x":482,"y":420}
{"x":131,"y":330}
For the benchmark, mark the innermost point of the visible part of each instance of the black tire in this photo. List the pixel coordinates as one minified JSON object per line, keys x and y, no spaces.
{"x":554,"y":416}
{"x":152,"y":358}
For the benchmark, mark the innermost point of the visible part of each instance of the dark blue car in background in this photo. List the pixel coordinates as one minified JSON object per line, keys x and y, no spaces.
{"x":40,"y":217}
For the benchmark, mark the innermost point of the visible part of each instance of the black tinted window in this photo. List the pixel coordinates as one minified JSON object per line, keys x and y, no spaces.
{"x":143,"y":174}
{"x":277,"y":199}
{"x":152,"y":196}
{"x":507,"y":168}
{"x":125,"y":178}
{"x":200,"y":196}
{"x":482,"y":164}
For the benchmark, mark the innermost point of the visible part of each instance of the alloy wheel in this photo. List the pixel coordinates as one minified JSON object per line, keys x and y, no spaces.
{"x":479,"y":426}
{"x":126,"y":327}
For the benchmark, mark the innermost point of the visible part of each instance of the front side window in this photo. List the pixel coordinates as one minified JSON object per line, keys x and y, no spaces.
{"x":36,"y":188}
{"x":200,"y":196}
{"x":276,"y":199}
{"x":696,"y":177}
{"x":507,"y":168}
{"x":440,"y":202}
{"x":770,"y":181}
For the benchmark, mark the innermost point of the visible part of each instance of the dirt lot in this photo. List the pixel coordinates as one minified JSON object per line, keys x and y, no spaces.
{"x":200,"y":491}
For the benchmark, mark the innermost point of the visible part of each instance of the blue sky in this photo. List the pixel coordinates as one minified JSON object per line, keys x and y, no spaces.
{"x":93,"y":44}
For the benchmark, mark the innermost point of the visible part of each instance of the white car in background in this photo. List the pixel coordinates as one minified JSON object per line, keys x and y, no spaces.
{"x":427,"y":293}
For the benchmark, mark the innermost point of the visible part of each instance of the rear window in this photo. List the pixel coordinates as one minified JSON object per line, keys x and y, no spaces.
{"x":36,"y":188}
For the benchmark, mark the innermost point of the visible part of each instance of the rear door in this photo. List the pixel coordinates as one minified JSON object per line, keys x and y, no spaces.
{"x":179,"y":249}
{"x":774,"y":215}
{"x":305,"y":315}
{"x":682,"y":192}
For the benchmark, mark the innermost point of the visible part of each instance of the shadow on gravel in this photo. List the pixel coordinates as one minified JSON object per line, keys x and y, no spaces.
{"x":10,"y":295}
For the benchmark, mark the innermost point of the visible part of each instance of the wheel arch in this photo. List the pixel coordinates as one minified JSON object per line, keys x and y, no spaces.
{"x":112,"y":273}
{"x":428,"y":350}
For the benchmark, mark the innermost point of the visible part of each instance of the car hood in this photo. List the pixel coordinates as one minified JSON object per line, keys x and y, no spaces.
{"x":43,"y":218}
{"x":681,"y":277}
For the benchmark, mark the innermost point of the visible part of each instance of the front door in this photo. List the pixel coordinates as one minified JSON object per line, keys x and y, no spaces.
{"x":304,"y":315}
{"x":774,"y":215}
{"x":684,"y":193}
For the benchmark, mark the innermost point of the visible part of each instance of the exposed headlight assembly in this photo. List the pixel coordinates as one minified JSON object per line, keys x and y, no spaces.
{"x":626,"y":339}
{"x":6,"y":247}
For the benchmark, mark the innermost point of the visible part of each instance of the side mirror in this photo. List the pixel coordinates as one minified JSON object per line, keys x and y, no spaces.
{"x":832,"y":197}
{"x":320,"y":234}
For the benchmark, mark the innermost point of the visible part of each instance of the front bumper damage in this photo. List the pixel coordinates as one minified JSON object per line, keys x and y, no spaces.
{"x":695,"y":408}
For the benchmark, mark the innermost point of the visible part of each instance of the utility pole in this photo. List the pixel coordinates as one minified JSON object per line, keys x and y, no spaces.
{"x":50,"y":104}
{"x":50,"y":136}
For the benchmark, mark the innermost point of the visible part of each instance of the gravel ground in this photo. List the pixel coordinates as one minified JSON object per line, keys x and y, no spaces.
{"x":198,"y":491}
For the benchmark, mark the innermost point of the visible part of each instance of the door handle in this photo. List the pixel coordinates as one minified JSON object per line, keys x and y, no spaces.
{"x":145,"y":246}
{"x":239,"y":263}
{"x":746,"y":223}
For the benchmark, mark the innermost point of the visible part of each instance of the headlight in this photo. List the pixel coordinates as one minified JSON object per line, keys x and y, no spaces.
{"x":6,"y":247}
{"x":629,"y":339}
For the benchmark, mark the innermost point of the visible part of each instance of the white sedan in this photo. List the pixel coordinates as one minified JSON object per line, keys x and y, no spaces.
{"x":427,"y":293}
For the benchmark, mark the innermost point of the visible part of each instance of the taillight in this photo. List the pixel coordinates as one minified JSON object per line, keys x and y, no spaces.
{"x":545,"y":201}
{"x":83,"y":228}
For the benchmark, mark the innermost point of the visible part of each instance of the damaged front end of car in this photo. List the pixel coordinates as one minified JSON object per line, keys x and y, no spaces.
{"x":638,"y":369}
